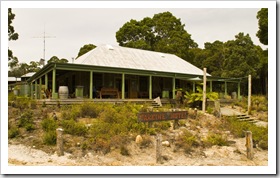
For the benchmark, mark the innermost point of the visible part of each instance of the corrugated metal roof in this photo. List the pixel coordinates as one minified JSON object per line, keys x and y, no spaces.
{"x":14,"y":79}
{"x":130,"y":58}
{"x":30,"y":74}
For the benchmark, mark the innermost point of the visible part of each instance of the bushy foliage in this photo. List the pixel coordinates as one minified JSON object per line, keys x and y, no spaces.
{"x":198,"y":96}
{"x":49,"y":138}
{"x":74,"y":128}
{"x":187,"y":141}
{"x":49,"y":124}
{"x":259,"y":103}
{"x":215,"y":139}
{"x":13,"y":132}
{"x":26,"y":121}
{"x":237,"y":128}
{"x":21,"y":102}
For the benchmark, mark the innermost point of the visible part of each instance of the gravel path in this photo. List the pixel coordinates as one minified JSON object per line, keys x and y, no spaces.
{"x":234,"y":155}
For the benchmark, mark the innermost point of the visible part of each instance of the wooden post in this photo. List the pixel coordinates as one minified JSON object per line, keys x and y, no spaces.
{"x":238,"y":91}
{"x":193,"y":87}
{"x":59,"y":141}
{"x":53,"y":81}
{"x":173,"y":87}
{"x":31,"y":90}
{"x":40,"y":88}
{"x":249,"y":94}
{"x":249,"y":144}
{"x":175,"y":124}
{"x":36,"y":90}
{"x":46,"y":82}
{"x":204,"y":91}
{"x":158,"y":149}
{"x":217,"y":108}
{"x":226,"y":89}
{"x":195,"y":113}
{"x":150,"y":87}
{"x":123,"y":86}
{"x":90,"y":85}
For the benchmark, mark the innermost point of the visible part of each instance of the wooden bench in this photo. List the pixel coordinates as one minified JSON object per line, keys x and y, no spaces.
{"x":109,"y":91}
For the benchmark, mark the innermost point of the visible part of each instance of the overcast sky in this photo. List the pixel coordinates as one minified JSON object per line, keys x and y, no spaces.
{"x":67,"y":30}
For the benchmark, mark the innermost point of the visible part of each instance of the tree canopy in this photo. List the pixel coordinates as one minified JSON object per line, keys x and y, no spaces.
{"x":262,"y":33}
{"x":24,"y":68}
{"x":163,"y":33}
{"x":57,"y":60}
{"x":11,"y":31}
{"x":12,"y":35}
{"x":86,"y":48}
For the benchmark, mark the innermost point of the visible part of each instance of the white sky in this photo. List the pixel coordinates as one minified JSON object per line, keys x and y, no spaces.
{"x":70,"y":29}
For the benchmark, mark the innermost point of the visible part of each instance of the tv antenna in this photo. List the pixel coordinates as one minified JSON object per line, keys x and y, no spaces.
{"x":42,"y":61}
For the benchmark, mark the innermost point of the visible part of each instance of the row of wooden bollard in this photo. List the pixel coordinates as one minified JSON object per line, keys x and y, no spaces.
{"x":248,"y":134}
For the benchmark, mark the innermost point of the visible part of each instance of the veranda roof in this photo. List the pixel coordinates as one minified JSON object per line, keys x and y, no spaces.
{"x":130,"y":58}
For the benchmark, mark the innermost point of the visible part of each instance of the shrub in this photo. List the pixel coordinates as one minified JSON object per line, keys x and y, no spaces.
{"x":101,"y":145}
{"x":237,"y":128}
{"x":74,"y":128}
{"x":74,"y":114}
{"x":147,"y":142}
{"x":186,"y":141}
{"x":13,"y":132}
{"x":26,"y":121}
{"x":210,"y":110}
{"x":216,"y":139}
{"x":163,"y":125}
{"x":49,"y":138}
{"x":124,"y":151}
{"x":49,"y":124}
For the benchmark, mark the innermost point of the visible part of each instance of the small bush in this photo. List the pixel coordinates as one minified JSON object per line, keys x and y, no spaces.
{"x":124,"y":151}
{"x":216,"y":139}
{"x":13,"y":132}
{"x":49,"y":138}
{"x":237,"y":128}
{"x":163,"y":125}
{"x":147,"y":142}
{"x":49,"y":124}
{"x":186,"y":141}
{"x":210,"y":110}
{"x":74,"y":128}
{"x":26,"y":121}
{"x":101,"y":145}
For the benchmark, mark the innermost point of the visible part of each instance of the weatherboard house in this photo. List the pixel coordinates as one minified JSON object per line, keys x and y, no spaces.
{"x":115,"y":72}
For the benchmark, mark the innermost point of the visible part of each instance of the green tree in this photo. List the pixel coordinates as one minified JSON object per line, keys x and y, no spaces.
{"x":262,"y":33}
{"x":86,"y":48}
{"x":214,"y":54}
{"x":19,"y":70}
{"x":33,"y":67}
{"x":55,"y":59}
{"x":12,"y":35}
{"x":11,"y":31}
{"x":162,"y":33}
{"x":241,"y":57}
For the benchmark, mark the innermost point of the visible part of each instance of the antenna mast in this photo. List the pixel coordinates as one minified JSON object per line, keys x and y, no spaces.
{"x":44,"y":41}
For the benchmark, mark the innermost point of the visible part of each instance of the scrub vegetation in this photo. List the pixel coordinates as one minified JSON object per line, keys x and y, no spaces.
{"x":103,"y":127}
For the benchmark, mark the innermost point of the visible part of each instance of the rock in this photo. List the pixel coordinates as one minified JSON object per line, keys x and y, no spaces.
{"x":165,"y":143}
{"x":138,"y":139}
